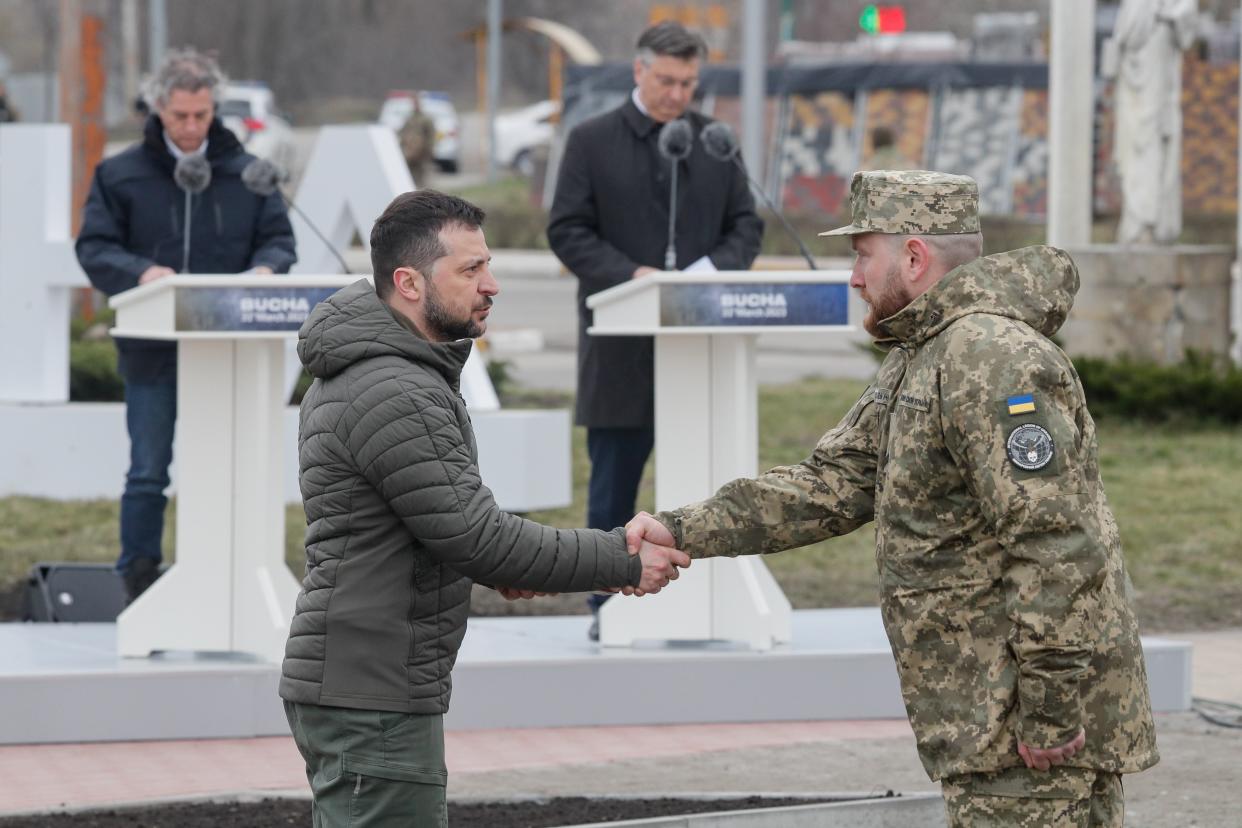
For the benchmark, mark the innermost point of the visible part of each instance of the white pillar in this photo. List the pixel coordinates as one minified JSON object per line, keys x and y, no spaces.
{"x":754,"y":85}
{"x":1235,"y":293}
{"x":1071,"y":87}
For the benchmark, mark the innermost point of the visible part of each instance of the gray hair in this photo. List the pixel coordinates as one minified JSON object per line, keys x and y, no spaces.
{"x":186,"y":69}
{"x":670,"y":39}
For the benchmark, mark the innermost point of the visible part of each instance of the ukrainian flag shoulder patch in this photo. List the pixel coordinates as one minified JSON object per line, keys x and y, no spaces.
{"x":1021,"y":404}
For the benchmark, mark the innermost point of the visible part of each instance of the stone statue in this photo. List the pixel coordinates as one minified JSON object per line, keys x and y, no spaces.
{"x":1145,"y":56}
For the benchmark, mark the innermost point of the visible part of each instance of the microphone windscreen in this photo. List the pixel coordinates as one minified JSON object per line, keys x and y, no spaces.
{"x":262,"y":177}
{"x":675,"y":140}
{"x":719,"y":141}
{"x":192,"y":173}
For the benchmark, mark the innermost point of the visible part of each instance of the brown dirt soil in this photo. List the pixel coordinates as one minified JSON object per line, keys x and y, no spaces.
{"x":278,"y":813}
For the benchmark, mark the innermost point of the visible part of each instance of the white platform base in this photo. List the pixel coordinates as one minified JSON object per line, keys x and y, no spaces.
{"x":65,"y":682}
{"x":80,"y":451}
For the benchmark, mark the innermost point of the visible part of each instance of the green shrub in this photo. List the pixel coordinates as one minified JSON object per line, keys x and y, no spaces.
{"x":1201,"y":388}
{"x":92,"y":372}
{"x":301,"y":387}
{"x":500,"y":372}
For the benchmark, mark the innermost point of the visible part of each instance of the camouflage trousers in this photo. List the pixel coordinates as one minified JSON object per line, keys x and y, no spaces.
{"x":1019,"y":798}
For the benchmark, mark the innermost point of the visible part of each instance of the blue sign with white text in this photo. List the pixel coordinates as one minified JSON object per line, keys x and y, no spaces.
{"x":246,"y":308}
{"x":724,"y":304}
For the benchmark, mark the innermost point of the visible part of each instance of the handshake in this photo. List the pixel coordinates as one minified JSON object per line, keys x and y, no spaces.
{"x":653,"y":543}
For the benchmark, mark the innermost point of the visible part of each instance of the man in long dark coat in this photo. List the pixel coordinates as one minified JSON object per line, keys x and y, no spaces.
{"x":609,"y":224}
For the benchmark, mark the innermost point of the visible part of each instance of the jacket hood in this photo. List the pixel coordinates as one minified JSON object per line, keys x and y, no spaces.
{"x":1035,"y":285}
{"x":353,"y":325}
{"x":222,"y":144}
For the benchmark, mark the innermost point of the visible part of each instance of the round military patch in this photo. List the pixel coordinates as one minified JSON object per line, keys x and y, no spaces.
{"x":1030,"y":447}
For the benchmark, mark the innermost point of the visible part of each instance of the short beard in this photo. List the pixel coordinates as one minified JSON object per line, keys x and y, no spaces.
{"x":893,"y":299}
{"x":441,"y":324}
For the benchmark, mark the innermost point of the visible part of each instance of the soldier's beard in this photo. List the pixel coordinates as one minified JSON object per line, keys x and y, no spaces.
{"x":890,"y":300}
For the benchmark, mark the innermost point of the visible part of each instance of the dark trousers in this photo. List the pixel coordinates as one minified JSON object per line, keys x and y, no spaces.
{"x":151,"y":418}
{"x":370,"y":769}
{"x":618,"y":456}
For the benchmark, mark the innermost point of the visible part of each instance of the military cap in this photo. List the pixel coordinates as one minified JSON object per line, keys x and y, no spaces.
{"x":911,"y":203}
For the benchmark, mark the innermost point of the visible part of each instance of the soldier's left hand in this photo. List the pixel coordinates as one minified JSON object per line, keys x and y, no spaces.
{"x":1044,"y":758}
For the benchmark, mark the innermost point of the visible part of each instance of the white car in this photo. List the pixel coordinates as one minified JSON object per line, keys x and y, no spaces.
{"x":447,"y":150}
{"x":248,"y":108}
{"x":519,"y":134}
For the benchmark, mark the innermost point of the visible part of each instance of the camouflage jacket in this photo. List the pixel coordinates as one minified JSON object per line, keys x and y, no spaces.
{"x":1003,"y":590}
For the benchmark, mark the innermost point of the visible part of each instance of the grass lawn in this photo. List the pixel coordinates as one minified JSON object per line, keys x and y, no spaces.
{"x":1173,"y":488}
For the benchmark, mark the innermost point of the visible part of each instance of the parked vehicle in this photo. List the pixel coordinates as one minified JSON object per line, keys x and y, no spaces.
{"x":248,"y":108}
{"x":400,"y":103}
{"x":524,"y":132}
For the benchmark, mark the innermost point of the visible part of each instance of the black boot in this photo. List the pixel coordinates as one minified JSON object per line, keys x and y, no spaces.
{"x":140,"y":575}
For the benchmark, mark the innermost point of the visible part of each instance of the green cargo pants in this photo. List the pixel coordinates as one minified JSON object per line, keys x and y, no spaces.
{"x":370,"y":769}
{"x":1062,"y":797}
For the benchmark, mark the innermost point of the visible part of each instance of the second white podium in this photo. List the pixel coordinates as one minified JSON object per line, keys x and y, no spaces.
{"x":706,"y":421}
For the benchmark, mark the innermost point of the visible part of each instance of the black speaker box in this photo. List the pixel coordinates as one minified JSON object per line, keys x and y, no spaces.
{"x":73,"y":592}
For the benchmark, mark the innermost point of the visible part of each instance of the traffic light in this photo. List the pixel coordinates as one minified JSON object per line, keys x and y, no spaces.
{"x":882,"y":19}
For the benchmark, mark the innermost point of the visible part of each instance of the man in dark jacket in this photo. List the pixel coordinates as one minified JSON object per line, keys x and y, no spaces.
{"x":399,"y":524}
{"x":609,"y":224}
{"x":133,"y":232}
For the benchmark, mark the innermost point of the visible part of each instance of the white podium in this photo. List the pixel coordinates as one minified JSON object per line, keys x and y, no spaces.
{"x":229,"y":588}
{"x":706,"y":421}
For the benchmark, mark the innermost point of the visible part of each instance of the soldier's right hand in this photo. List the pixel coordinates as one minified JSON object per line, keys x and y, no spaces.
{"x":644,"y":526}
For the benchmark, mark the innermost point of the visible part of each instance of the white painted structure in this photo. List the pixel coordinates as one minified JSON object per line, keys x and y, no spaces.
{"x":706,"y":412}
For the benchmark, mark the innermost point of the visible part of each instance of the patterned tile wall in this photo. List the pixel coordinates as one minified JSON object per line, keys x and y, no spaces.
{"x":819,"y":153}
{"x":1209,"y":137}
{"x":976,"y":134}
{"x":999,"y":135}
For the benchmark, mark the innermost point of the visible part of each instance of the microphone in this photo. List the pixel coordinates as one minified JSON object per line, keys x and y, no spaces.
{"x":720,"y":143}
{"x":675,"y":142}
{"x":193,"y":175}
{"x":263,"y":177}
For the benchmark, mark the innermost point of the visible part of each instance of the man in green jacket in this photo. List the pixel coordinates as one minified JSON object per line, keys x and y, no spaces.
{"x":1002,"y":585}
{"x":399,"y":525}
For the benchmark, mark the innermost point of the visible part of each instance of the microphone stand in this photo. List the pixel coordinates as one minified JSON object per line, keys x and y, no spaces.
{"x":185,"y":248}
{"x":754,"y":185}
{"x":295,"y":208}
{"x":670,"y":252}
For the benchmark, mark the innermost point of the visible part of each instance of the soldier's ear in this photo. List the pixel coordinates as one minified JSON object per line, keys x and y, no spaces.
{"x":915,"y":259}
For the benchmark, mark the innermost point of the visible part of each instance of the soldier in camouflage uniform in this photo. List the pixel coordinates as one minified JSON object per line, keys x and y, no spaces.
{"x":1003,"y":590}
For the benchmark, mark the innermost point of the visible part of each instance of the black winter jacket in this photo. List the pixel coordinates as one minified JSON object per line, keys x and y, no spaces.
{"x":610,"y":215}
{"x":135,"y":217}
{"x":398,"y":521}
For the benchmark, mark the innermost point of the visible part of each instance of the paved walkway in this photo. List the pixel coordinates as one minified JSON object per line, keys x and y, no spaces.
{"x":786,"y":756}
{"x":72,"y":776}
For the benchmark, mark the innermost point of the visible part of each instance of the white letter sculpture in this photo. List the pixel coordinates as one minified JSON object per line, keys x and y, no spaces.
{"x":37,"y":266}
